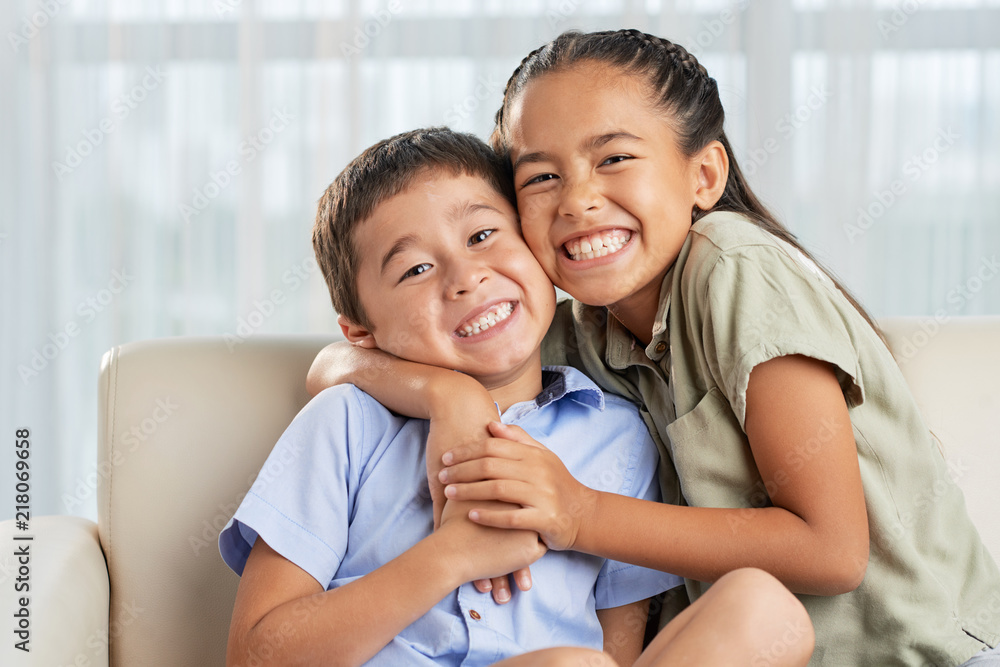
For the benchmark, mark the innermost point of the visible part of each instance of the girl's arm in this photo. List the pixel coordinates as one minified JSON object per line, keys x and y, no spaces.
{"x":458,"y":407}
{"x":814,"y":538}
{"x":282,"y":615}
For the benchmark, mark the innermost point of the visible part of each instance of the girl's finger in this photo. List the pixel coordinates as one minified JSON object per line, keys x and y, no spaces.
{"x":514,"y":492}
{"x":498,"y":447}
{"x":479,"y":470}
{"x":515,"y":433}
{"x":513,"y":519}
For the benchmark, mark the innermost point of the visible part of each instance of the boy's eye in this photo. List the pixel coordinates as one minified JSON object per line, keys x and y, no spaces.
{"x":616,"y":158}
{"x":415,"y":271}
{"x":541,"y":178}
{"x":479,"y":237}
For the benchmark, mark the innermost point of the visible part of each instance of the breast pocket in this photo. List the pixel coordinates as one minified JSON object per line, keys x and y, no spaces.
{"x":713,"y":458}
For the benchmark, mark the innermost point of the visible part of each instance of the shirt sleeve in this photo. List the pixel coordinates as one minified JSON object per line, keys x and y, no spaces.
{"x":301,"y":501}
{"x":759,"y":302}
{"x":623,"y":583}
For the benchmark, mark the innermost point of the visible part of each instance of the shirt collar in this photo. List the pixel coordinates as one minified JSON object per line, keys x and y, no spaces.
{"x":621,"y":342}
{"x":559,"y":382}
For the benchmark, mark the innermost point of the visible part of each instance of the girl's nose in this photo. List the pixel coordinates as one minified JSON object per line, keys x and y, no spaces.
{"x":579,"y":198}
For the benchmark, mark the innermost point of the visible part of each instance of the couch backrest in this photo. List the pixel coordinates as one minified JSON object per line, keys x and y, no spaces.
{"x":186,"y":423}
{"x":953,"y":368}
{"x":184,"y":426}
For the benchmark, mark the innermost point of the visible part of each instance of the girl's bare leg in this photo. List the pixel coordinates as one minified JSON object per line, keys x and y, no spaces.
{"x":563,"y":656}
{"x":746,"y":618}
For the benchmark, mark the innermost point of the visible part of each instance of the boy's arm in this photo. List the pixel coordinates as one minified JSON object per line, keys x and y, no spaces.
{"x":283,"y":616}
{"x":458,"y":407}
{"x":624,"y":631}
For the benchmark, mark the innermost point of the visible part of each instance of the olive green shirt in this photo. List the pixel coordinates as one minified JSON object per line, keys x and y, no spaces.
{"x":735,"y":297}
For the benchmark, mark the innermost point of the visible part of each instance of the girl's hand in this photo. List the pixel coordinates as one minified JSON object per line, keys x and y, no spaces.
{"x":481,"y":551}
{"x":512,"y":467}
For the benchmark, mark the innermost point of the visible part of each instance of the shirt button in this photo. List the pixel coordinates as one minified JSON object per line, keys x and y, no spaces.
{"x":475,"y":615}
{"x":660,"y":347}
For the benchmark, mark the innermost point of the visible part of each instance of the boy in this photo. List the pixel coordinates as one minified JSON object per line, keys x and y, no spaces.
{"x":419,"y":242}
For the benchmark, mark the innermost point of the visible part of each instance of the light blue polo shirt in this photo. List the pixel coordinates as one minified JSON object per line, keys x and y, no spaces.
{"x":345,"y":491}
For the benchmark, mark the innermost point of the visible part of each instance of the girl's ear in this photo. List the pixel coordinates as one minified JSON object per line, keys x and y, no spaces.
{"x":357,"y":334}
{"x":712,"y":162}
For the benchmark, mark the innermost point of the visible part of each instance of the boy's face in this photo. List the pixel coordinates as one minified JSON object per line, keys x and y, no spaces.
{"x":447,"y":280}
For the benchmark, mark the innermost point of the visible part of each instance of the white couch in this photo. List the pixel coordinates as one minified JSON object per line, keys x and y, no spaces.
{"x":185,"y":423}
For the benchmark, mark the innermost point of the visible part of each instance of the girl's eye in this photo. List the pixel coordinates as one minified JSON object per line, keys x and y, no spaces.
{"x":614,"y":159}
{"x":415,"y":271}
{"x":479,"y":237}
{"x":538,"y":179}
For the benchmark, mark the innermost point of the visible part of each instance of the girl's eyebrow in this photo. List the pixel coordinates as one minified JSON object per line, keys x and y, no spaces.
{"x":589,"y":144}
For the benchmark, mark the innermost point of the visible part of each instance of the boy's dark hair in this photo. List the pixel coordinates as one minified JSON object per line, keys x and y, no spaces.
{"x":378,"y":174}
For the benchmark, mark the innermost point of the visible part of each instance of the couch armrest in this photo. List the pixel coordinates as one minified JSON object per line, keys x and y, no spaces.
{"x":68,"y":592}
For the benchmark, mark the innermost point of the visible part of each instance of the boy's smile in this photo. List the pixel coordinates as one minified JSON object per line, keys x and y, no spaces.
{"x":447,"y":280}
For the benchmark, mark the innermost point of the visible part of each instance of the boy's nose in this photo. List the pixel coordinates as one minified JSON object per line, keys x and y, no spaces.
{"x":579,"y":198}
{"x":466,"y":277}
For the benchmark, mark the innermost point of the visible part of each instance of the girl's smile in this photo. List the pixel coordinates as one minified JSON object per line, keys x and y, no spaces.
{"x":604,"y":192}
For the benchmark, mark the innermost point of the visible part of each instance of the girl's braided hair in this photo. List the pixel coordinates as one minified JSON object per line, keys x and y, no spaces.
{"x":679,"y":87}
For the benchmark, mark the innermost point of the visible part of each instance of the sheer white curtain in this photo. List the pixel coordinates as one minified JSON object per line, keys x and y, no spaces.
{"x":162,"y":159}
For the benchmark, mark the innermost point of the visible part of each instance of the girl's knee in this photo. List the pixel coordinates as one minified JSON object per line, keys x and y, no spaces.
{"x":773,"y":615}
{"x":561,"y":657}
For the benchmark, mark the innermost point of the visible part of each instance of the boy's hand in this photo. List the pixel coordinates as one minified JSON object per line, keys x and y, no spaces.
{"x":514,"y":468}
{"x":482,"y":552}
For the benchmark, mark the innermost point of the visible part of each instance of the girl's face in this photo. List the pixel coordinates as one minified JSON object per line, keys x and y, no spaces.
{"x":604,"y":193}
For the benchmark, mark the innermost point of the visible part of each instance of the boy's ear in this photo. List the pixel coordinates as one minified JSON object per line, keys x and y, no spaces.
{"x":357,"y":334}
{"x":713,"y":172}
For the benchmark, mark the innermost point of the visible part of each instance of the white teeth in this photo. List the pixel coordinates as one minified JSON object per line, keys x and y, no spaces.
{"x":597,"y":245}
{"x":497,"y":314}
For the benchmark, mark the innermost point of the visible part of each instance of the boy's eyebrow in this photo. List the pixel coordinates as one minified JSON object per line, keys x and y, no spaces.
{"x":590,"y":144}
{"x":466,"y":208}
{"x":457,"y":211}
{"x":401,"y":244}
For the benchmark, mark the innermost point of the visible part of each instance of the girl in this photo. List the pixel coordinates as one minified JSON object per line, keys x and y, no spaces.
{"x":788,"y":437}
